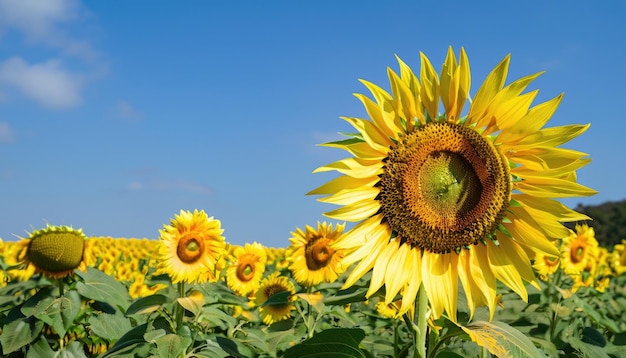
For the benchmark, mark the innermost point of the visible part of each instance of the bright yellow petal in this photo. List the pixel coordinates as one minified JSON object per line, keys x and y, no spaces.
{"x":441,"y":279}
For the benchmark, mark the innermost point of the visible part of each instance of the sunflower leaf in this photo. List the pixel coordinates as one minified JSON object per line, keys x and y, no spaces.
{"x":331,"y":343}
{"x":501,"y":339}
{"x":280,"y":298}
{"x":101,"y":287}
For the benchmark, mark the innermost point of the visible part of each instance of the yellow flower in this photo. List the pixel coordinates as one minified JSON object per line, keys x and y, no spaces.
{"x":270,"y":286}
{"x":443,"y":197}
{"x":245,"y":271}
{"x":56,"y":251}
{"x":618,"y":258}
{"x":191,"y":246}
{"x":314,"y":259}
{"x":546,"y":265}
{"x":578,"y":249}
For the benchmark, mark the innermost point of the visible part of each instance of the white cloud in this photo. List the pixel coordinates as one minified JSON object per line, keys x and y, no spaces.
{"x":42,"y":21}
{"x":125,"y":110}
{"x":7,"y":135}
{"x":48,"y":83}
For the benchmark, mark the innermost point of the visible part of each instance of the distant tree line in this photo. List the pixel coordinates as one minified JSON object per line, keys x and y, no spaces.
{"x":609,"y":221}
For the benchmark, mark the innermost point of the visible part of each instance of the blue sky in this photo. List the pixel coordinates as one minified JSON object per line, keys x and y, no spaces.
{"x":115,"y":115}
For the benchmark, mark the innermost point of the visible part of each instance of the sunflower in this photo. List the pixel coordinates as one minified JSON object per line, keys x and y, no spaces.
{"x":246,"y":268}
{"x":546,"y":265}
{"x":191,"y":246}
{"x":314,"y":258}
{"x":579,"y":249}
{"x":443,"y":197}
{"x":618,"y":258}
{"x":279,"y":311}
{"x":55,"y":251}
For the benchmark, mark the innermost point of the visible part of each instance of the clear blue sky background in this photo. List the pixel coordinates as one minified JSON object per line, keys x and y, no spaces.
{"x":115,"y":115}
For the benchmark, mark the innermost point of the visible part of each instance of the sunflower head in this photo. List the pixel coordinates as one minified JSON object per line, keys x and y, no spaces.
{"x":579,"y":250}
{"x":314,"y":258}
{"x":270,"y":286}
{"x":55,"y":251}
{"x":246,"y":268}
{"x":463,"y":195}
{"x":191,"y":247}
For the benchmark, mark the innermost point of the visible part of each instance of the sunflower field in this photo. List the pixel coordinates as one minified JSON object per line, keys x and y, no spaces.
{"x":448,"y":241}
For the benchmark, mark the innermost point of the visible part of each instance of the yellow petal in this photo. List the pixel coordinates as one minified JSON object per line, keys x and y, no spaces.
{"x":397,"y":263}
{"x":440,"y":278}
{"x":552,"y":137}
{"x":341,"y":183}
{"x":487,"y":91}
{"x":355,"y":238}
{"x":381,"y":266}
{"x":505,"y":270}
{"x":414,"y":261}
{"x":543,"y":206}
{"x":382,"y":119}
{"x":355,"y":211}
{"x":354,"y":167}
{"x":528,"y":235}
{"x":552,"y":187}
{"x":532,"y":122}
{"x":351,"y":196}
{"x":371,"y":134}
{"x":429,"y":92}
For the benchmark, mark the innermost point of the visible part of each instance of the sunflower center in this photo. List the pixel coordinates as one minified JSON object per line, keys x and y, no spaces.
{"x":190,"y":249}
{"x":245,"y":272}
{"x":550,"y":261}
{"x":444,"y":186}
{"x":577,"y":254}
{"x":318,"y":253}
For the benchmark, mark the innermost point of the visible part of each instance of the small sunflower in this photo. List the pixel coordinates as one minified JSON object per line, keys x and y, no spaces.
{"x":55,"y":251}
{"x":579,"y":249}
{"x":546,"y":265}
{"x":618,"y":258}
{"x":245,"y":271}
{"x":439,"y":198}
{"x":314,"y":258}
{"x":270,"y":286}
{"x":191,"y":246}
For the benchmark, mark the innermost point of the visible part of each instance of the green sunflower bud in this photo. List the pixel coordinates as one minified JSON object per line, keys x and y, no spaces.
{"x":56,"y":249}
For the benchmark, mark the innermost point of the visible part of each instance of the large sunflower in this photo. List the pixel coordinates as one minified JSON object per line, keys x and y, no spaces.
{"x":246,"y":268}
{"x":443,"y":197}
{"x":191,"y":246}
{"x":314,"y":258}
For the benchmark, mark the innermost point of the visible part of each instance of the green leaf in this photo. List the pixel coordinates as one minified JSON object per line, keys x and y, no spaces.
{"x":17,"y":334}
{"x":109,"y":326}
{"x":134,"y":336}
{"x":41,"y":348}
{"x":592,"y":336}
{"x":73,"y":350}
{"x":588,"y":350}
{"x":596,"y":316}
{"x":331,"y":343}
{"x":446,"y":354}
{"x":349,"y":295}
{"x":280,"y":298}
{"x":172,"y":345}
{"x":501,"y":339}
{"x":146,"y":304}
{"x":193,"y":302}
{"x":58,"y":312}
{"x":229,"y":347}
{"x":101,"y":287}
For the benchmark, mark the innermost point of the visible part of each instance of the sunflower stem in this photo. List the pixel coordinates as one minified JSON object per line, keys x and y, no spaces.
{"x":422,"y":323}
{"x":178,"y":309}
{"x":60,"y":282}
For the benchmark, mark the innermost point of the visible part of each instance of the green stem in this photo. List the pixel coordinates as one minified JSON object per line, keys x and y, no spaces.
{"x":422,"y":323}
{"x":60,"y":282}
{"x":178,"y":309}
